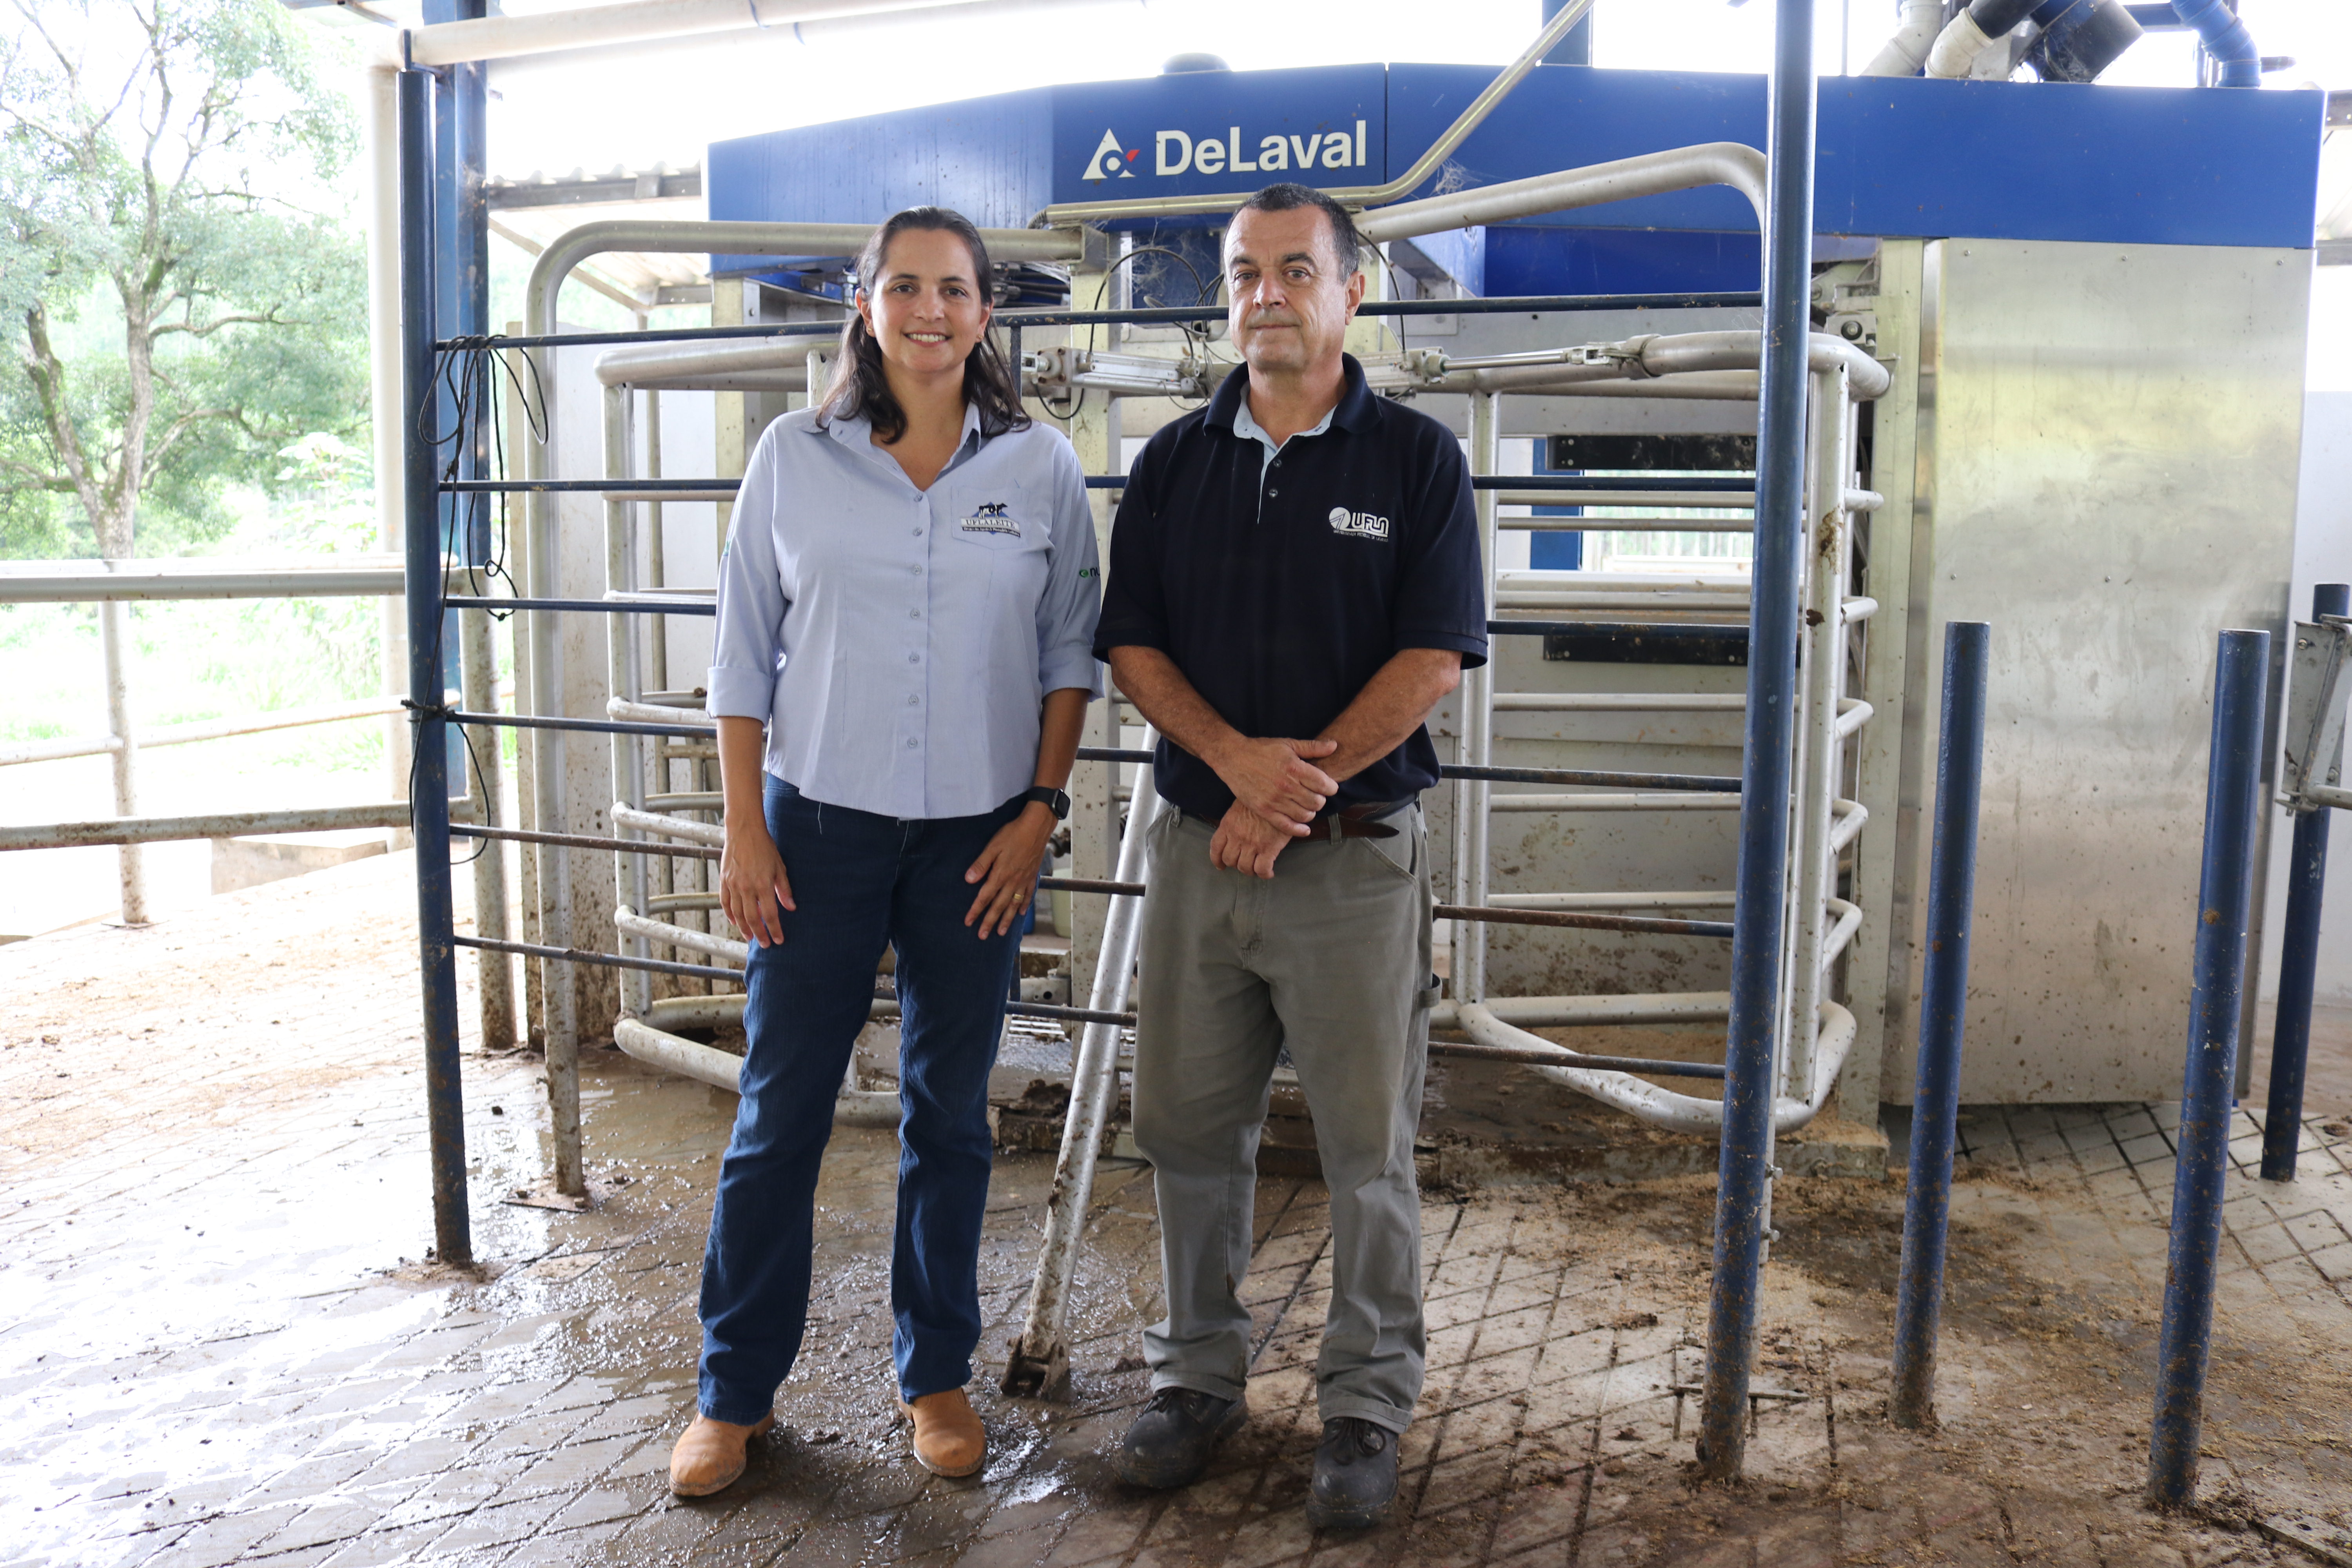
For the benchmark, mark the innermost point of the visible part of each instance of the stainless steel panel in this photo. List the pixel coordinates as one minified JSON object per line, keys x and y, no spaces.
{"x":2111,"y":470}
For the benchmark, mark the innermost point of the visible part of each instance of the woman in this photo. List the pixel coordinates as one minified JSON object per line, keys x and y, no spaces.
{"x":919,"y":558}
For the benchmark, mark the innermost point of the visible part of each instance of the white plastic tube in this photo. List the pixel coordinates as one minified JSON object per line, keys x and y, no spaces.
{"x":1914,"y":35}
{"x":1956,"y":48}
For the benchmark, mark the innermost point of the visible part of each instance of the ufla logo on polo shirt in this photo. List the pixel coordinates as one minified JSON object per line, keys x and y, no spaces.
{"x":1358,"y":524}
{"x":991,"y":519}
{"x":1179,"y":151}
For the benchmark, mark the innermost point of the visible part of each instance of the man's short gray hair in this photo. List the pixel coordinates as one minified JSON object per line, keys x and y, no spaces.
{"x":1288,"y":195}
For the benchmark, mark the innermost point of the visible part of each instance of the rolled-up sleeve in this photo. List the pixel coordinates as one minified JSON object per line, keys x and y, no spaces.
{"x":752,"y":602}
{"x":1072,"y":597}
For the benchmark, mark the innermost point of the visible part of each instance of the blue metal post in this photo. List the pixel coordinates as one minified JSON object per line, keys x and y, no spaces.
{"x":2233,"y":780}
{"x":1743,"y":1184}
{"x":429,"y":781}
{"x":2306,"y":882}
{"x":1943,"y":1005}
{"x":461,"y":299}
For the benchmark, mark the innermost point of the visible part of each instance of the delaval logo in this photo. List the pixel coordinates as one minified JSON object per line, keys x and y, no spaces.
{"x":1358,"y":524}
{"x":1180,"y":152}
{"x":991,"y":519}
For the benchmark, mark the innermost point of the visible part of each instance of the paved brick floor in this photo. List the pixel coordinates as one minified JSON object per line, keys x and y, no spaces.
{"x":217,"y":1343}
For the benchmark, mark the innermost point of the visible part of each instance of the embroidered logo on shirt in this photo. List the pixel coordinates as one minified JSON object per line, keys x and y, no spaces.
{"x":991,"y":519}
{"x":1358,"y":525}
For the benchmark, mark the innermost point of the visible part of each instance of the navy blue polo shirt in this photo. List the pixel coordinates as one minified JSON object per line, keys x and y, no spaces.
{"x":1281,"y":587}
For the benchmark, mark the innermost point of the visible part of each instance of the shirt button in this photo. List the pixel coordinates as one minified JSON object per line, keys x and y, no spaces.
{"x":914,"y":615}
{"x":1274,"y":492}
{"x":913,"y":700}
{"x":911,"y":743}
{"x":914,"y":658}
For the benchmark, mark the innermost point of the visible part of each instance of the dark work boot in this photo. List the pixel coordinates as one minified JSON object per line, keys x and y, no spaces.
{"x":1355,"y":1474}
{"x":1170,"y":1444}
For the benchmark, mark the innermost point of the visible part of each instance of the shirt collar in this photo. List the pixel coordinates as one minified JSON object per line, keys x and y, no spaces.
{"x":1246,"y":426}
{"x":856,"y":432}
{"x":1354,"y":413}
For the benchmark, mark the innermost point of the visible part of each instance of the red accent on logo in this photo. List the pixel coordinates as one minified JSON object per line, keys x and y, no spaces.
{"x":1131,"y":153}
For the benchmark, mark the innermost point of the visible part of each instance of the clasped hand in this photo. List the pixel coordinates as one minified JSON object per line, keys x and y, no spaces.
{"x":1277,"y":791}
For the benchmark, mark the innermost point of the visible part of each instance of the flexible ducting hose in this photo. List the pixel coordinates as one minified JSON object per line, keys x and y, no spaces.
{"x":2225,"y":38}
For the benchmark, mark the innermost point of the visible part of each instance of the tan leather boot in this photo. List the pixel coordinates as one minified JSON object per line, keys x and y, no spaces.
{"x":710,"y":1454}
{"x":948,"y":1437}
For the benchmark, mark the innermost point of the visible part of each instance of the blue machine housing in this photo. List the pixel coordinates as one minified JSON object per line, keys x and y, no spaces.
{"x":1897,"y":157}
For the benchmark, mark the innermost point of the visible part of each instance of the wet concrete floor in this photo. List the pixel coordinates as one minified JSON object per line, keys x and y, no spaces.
{"x":218,"y":1342}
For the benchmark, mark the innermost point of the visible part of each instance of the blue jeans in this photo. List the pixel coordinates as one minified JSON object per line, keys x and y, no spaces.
{"x":862,"y":882}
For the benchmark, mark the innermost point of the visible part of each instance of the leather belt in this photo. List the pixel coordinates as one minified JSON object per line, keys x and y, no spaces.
{"x":1359,"y":821}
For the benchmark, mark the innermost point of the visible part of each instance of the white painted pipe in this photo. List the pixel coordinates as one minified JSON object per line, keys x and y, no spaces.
{"x":1664,"y":1106}
{"x":1914,"y":35}
{"x":1596,"y":1012}
{"x":632,"y":923}
{"x":1622,"y":179}
{"x":1956,"y":48}
{"x":711,"y":834}
{"x":219,"y":825}
{"x":221,"y":577}
{"x":776,"y":364}
{"x":654,"y":713}
{"x":723,"y":1070}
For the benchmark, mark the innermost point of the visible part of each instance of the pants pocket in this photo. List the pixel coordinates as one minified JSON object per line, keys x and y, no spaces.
{"x":1401,"y":852}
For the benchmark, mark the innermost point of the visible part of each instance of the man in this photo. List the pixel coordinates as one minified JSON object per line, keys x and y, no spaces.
{"x":1294,"y":581}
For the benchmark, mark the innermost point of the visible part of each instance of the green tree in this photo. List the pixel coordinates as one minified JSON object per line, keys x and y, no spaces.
{"x":183,"y":305}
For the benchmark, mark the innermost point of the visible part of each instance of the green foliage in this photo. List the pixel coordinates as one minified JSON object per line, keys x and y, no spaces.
{"x":182,"y":300}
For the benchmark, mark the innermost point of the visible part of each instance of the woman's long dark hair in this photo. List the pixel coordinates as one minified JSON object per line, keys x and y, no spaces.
{"x":858,"y":385}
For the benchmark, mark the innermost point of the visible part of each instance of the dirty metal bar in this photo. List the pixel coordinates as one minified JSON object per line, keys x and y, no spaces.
{"x":1564,"y":1057}
{"x":1069,"y":1015}
{"x":589,"y":841}
{"x":1597,"y":778}
{"x":2299,"y":953}
{"x":1039,"y":1366}
{"x":1943,"y":1005}
{"x":2217,"y":977}
{"x":594,"y":726}
{"x":600,"y":606}
{"x":429,"y":752}
{"x":1090,"y":885}
{"x":1488,"y":915}
{"x":1710,"y":783}
{"x":1743,"y":1191}
{"x":603,"y":959}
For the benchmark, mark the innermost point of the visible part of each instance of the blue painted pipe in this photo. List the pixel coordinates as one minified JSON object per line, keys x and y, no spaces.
{"x":428,"y":777}
{"x":2225,"y":38}
{"x":1743,"y":1186}
{"x":2306,"y":882}
{"x":1943,"y":1005}
{"x":2233,"y":781}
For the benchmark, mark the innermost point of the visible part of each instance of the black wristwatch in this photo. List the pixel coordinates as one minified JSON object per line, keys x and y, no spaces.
{"x":1056,"y":801}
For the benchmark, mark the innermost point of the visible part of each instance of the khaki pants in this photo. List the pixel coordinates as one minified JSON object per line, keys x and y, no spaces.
{"x":1331,"y":959}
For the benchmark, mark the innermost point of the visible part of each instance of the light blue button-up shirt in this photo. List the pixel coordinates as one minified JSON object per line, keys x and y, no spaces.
{"x":899,"y":643}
